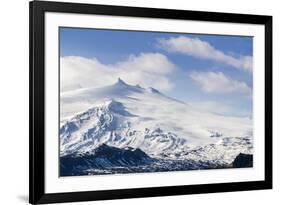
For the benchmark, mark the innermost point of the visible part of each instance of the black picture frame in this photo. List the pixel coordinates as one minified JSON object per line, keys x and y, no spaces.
{"x":37,"y":10}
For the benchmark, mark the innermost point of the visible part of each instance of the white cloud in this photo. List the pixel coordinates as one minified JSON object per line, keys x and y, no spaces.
{"x":146,"y":69}
{"x":202,"y":49}
{"x":217,"y":82}
{"x":220,"y":108}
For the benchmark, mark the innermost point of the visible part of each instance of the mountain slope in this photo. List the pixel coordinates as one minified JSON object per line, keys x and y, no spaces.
{"x":122,"y":116}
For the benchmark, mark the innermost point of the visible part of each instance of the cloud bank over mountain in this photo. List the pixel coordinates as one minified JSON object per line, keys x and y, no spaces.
{"x":147,"y":69}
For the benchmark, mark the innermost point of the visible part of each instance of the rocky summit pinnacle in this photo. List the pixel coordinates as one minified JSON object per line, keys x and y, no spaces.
{"x":121,"y":82}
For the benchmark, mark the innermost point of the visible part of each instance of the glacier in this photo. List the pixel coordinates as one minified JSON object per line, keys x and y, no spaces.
{"x":167,"y":134}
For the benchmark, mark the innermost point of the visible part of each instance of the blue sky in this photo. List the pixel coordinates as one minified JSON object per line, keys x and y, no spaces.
{"x":210,"y":71}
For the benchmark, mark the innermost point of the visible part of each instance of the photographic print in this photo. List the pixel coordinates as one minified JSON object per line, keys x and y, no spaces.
{"x":143,"y":101}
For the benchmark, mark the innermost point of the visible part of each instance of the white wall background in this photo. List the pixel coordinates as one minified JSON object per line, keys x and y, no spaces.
{"x":14,"y":100}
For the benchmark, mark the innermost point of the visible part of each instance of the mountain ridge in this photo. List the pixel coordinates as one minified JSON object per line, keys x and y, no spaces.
{"x":126,"y":116}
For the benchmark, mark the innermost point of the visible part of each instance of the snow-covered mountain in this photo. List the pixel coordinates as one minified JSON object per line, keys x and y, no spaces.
{"x":126,"y":116}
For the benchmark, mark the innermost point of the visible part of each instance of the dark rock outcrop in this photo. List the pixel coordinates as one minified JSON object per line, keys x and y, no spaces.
{"x":243,"y":160}
{"x":104,"y":157}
